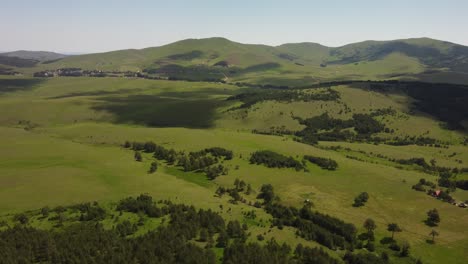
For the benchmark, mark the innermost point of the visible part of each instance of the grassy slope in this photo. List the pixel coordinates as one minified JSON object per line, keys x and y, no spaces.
{"x":63,"y":161}
{"x":299,"y":64}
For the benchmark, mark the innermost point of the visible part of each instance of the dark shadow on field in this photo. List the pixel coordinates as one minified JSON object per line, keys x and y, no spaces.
{"x":16,"y":85}
{"x":199,"y":94}
{"x":156,"y":111}
{"x":445,"y":102}
{"x":95,"y":93}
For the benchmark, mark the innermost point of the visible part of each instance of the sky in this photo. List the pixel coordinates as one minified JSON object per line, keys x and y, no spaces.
{"x":84,"y":26}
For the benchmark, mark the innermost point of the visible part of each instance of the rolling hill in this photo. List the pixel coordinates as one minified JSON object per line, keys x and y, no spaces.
{"x":301,"y":63}
{"x":10,"y":61}
{"x":40,"y":56}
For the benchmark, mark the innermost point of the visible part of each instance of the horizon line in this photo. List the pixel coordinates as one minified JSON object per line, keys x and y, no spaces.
{"x":77,"y":53}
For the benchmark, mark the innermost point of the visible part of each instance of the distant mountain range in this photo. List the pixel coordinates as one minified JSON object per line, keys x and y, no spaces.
{"x":26,"y":59}
{"x":295,"y":63}
{"x":34,"y":55}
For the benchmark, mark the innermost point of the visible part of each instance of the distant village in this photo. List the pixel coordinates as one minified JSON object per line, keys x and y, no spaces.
{"x":78,"y":72}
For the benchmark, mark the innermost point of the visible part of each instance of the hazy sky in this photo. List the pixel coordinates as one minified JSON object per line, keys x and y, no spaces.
{"x":100,"y":25}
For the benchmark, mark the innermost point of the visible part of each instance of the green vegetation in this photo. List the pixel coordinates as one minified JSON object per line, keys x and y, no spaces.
{"x":361,"y":199}
{"x":324,"y":163}
{"x":274,"y":160}
{"x":69,"y":141}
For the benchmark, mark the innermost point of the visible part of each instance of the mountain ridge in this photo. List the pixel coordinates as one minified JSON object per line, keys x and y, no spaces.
{"x":421,"y":59}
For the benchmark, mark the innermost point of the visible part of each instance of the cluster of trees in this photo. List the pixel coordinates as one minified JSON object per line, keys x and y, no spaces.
{"x":193,"y":161}
{"x":126,"y":228}
{"x":274,"y":253}
{"x":443,"y":195}
{"x":446,"y":174}
{"x":217,"y":152}
{"x":142,"y":204}
{"x":423,"y":182}
{"x":326,"y":128}
{"x":239,"y":187}
{"x":361,"y":199}
{"x":414,"y":140}
{"x":370,"y":226}
{"x":324,"y":163}
{"x":284,"y":95}
{"x":90,"y":212}
{"x":214,"y":171}
{"x":86,"y":212}
{"x":448,"y":179}
{"x":274,"y":160}
{"x":414,"y":161}
{"x":90,"y":242}
{"x":311,"y":225}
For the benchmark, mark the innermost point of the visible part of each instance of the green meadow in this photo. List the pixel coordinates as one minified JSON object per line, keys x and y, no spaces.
{"x":61,"y":143}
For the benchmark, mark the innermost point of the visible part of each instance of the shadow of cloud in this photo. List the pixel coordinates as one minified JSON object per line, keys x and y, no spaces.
{"x":94,"y":93}
{"x":155,"y":111}
{"x":16,"y":85}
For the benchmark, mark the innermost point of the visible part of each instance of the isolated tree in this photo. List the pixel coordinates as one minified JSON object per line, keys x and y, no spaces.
{"x":369,"y":225}
{"x":433,"y":233}
{"x":433,"y":217}
{"x":361,"y":199}
{"x":393,"y":228}
{"x":154,"y":167}
{"x":138,"y":156}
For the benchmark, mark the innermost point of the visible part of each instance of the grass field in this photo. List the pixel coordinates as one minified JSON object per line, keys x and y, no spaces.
{"x":61,"y":142}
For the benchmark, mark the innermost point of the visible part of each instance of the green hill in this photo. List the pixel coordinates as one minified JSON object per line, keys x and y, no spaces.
{"x":40,"y":56}
{"x":302,"y":63}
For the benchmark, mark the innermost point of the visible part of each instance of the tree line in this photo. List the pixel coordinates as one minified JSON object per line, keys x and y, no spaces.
{"x":283,"y":95}
{"x":273,"y":159}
